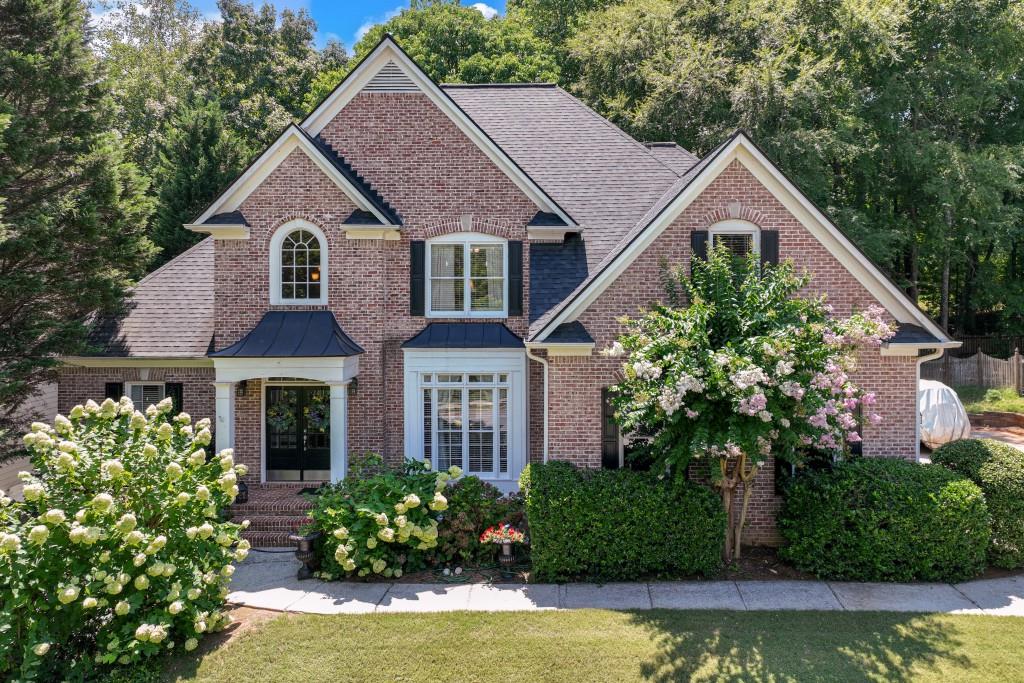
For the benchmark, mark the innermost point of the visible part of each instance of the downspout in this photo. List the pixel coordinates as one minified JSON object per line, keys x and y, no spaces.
{"x":544,"y":363}
{"x":934,"y":355}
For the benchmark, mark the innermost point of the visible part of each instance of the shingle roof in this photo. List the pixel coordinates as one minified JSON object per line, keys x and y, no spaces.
{"x":170,"y":311}
{"x":293,"y":334}
{"x":227,"y":218}
{"x":908,"y":333}
{"x":600,"y":175}
{"x":570,"y":333}
{"x":556,"y":269}
{"x":679,"y":159}
{"x":464,"y":336}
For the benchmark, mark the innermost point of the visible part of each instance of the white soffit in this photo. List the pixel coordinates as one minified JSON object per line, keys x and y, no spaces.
{"x":389,"y":66}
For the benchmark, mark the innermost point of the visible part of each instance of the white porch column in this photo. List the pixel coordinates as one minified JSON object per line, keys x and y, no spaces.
{"x":225,"y":393}
{"x":339,"y":430}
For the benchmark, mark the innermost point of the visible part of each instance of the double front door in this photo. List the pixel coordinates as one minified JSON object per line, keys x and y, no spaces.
{"x":298,"y":429}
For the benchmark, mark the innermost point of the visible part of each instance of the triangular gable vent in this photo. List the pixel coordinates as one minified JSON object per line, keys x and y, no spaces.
{"x":391,"y":78}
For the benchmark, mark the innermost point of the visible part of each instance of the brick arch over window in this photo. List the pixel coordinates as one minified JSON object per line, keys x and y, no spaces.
{"x":732,"y":211}
{"x":468,"y":223}
{"x":298,"y":264}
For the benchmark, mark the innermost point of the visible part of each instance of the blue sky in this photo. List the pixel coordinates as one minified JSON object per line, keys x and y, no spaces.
{"x":347,"y":20}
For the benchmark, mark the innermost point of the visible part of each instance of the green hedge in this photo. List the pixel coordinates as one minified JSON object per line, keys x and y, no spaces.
{"x":885,"y":520}
{"x":998,"y":469}
{"x":619,"y":524}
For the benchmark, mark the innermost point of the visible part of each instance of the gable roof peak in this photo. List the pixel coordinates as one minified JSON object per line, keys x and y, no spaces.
{"x":389,"y":52}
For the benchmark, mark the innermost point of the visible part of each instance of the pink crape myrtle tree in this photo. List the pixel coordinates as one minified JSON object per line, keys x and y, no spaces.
{"x":738,"y":367}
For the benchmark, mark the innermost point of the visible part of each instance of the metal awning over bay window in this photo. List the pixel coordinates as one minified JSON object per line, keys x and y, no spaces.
{"x":465,"y":400}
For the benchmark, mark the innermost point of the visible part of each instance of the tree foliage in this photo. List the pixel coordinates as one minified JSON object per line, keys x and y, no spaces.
{"x":73,"y":211}
{"x":457,"y":44}
{"x":902,"y":118}
{"x":197,"y":158}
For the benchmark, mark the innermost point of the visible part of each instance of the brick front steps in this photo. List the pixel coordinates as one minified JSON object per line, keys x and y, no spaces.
{"x":273,"y":511}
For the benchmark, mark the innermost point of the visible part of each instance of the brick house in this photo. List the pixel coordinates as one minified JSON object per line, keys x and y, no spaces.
{"x":429,"y":271}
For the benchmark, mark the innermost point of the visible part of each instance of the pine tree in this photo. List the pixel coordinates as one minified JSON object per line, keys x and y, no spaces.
{"x":198,"y":157}
{"x":73,"y":211}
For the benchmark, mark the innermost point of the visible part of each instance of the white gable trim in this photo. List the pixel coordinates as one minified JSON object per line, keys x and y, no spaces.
{"x":291,"y":139}
{"x":741,"y":149}
{"x":388,"y":55}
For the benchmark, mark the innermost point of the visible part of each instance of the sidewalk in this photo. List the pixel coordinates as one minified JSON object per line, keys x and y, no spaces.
{"x":267,"y":581}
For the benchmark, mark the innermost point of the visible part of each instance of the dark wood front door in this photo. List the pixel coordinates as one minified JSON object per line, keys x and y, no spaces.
{"x":298,"y":433}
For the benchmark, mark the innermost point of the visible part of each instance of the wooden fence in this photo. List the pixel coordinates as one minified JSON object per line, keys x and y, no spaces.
{"x":979,"y":370}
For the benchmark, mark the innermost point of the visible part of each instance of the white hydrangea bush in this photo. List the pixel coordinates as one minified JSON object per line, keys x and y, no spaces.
{"x":118,"y":551}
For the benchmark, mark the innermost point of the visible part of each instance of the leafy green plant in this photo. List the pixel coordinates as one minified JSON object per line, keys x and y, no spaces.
{"x":473,"y":506}
{"x":885,"y":520}
{"x":381,"y":524}
{"x":998,"y":469}
{"x":738,"y":368}
{"x":117,"y":553}
{"x":619,"y":524}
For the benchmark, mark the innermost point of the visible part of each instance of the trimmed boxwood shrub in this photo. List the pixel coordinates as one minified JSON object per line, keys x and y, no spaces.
{"x":619,"y":524}
{"x":885,"y":520}
{"x":998,"y":469}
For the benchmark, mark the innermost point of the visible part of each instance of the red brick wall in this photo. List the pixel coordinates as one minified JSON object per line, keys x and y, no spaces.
{"x":77,"y":385}
{"x":428,"y":171}
{"x":575,"y":413}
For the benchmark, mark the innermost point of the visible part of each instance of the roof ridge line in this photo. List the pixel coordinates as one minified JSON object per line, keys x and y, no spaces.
{"x":535,"y":84}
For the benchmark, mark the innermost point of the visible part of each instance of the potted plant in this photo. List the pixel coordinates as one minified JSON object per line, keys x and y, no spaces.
{"x":507,"y":536}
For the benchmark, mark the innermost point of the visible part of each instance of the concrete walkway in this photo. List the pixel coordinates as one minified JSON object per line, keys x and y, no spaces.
{"x":267,"y":581}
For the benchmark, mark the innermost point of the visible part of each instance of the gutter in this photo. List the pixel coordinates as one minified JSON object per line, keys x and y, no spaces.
{"x":934,"y":355}
{"x":544,"y":363}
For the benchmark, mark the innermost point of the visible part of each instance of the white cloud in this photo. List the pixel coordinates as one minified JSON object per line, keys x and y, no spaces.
{"x":370,"y":22}
{"x":486,"y":10}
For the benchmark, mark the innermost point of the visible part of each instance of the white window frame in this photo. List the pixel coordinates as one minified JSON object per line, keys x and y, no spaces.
{"x":419,"y":362}
{"x":466,"y":239}
{"x":432,"y":382}
{"x":736,"y":227}
{"x":276,"y":243}
{"x":128,"y":386}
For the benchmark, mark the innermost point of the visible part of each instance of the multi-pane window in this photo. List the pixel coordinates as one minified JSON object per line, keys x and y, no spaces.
{"x":467,"y":277}
{"x":144,"y":395}
{"x":465,"y":421}
{"x":300,"y":266}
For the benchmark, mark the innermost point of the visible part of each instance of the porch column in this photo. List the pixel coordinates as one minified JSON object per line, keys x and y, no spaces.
{"x":225,"y":436}
{"x":339,"y":430}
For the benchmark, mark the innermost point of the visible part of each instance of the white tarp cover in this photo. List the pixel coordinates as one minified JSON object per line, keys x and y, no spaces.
{"x":943,"y":418}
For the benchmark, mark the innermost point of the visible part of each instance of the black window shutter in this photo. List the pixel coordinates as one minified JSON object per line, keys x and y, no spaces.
{"x":770,"y":247}
{"x":176,"y":391}
{"x":417,"y":276}
{"x":113,"y":390}
{"x":515,"y":277}
{"x":699,"y":245}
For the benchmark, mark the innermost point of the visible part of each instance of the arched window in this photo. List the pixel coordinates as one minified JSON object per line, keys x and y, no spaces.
{"x":298,"y":264}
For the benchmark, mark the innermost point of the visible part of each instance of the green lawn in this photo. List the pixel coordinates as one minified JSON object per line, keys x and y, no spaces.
{"x":979,"y":400}
{"x":594,"y":645}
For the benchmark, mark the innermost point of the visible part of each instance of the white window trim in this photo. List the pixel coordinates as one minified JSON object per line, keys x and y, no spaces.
{"x":275,"y":264}
{"x":466,"y":238}
{"x":463,"y":361}
{"x":736,"y":227}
